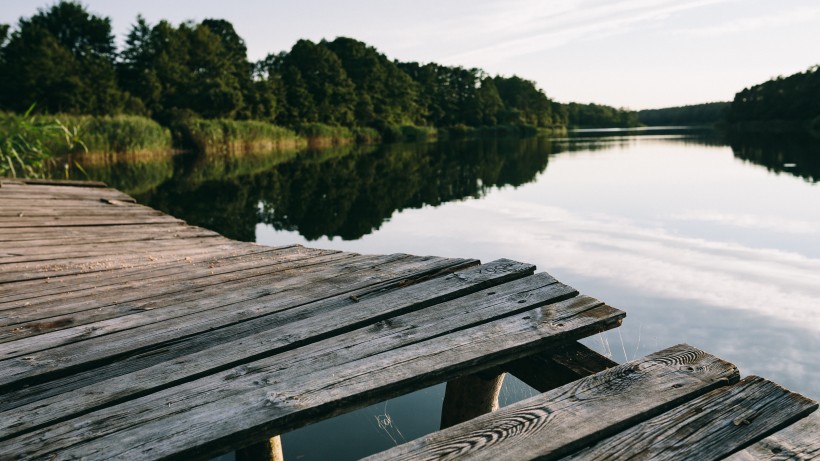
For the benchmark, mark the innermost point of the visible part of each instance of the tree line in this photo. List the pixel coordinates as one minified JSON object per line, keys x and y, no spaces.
{"x":795,"y":99}
{"x":780,"y":104}
{"x":65,"y":60}
{"x":695,"y":114}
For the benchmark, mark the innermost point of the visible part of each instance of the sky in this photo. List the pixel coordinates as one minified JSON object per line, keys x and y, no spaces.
{"x":637,"y":54}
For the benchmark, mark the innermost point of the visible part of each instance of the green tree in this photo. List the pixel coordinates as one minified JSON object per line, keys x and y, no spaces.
{"x":488,"y":103}
{"x":524,"y":102}
{"x":795,"y":98}
{"x":63,"y":59}
{"x":189,"y":67}
{"x":448,"y":96}
{"x":4,"y":34}
{"x":384,"y":93}
{"x":313,"y":69}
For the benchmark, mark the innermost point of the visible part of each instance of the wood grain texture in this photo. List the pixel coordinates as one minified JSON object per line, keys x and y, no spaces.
{"x":125,"y":333}
{"x":100,"y":303}
{"x":560,"y":421}
{"x":220,"y":349}
{"x":244,"y":404}
{"x":78,"y":286}
{"x":159,"y":322}
{"x":707,"y":428}
{"x":799,"y":442}
{"x":80,"y":282}
{"x":76,"y":266}
{"x":57,"y":182}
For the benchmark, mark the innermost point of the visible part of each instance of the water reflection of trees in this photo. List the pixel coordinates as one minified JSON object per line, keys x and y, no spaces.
{"x":794,"y":154}
{"x":346,"y":191}
{"x":349,"y":191}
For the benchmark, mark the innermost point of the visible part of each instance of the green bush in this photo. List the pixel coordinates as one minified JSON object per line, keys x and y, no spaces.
{"x":415,"y":133}
{"x":119,"y":134}
{"x":28,"y":144}
{"x":320,"y":131}
{"x":233,"y":136}
{"x":366,"y":135}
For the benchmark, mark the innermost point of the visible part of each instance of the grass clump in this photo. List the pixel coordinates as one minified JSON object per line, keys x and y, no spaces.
{"x":28,"y":144}
{"x":119,"y":134}
{"x":234,"y":136}
{"x":322,"y":135}
{"x":415,"y":133}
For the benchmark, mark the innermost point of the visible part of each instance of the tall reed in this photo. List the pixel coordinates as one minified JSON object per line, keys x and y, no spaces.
{"x":119,"y":134}
{"x":29,"y":143}
{"x":235,"y":136}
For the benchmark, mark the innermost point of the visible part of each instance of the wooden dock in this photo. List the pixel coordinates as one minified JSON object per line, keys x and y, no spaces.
{"x":126,"y":333}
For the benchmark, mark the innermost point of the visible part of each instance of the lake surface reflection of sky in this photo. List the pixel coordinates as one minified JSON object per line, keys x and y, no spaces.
{"x":700,"y":240}
{"x":695,"y":245}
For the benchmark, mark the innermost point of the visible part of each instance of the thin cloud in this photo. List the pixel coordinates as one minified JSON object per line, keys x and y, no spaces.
{"x":776,"y":283}
{"x":784,"y":19}
{"x":576,"y":21}
{"x":748,"y":221}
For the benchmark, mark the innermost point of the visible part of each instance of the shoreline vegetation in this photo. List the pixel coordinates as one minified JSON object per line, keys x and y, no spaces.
{"x":195,"y":81}
{"x":66,"y":88}
{"x":781,"y":105}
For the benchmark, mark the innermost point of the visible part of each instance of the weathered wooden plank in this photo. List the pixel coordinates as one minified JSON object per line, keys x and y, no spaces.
{"x":708,"y":428}
{"x":15,"y":192}
{"x":306,"y":315}
{"x":103,"y":303}
{"x":93,"y":265}
{"x":799,"y":441}
{"x":43,"y":188}
{"x":554,"y":368}
{"x":48,"y":245}
{"x":82,"y":221}
{"x":86,"y":285}
{"x":189,"y":305}
{"x":130,"y":334}
{"x":560,"y":421}
{"x":77,"y":286}
{"x":36,"y":204}
{"x":63,"y":253}
{"x":92,"y":250}
{"x":104,"y":217}
{"x":12,"y":213}
{"x":39,"y":283}
{"x":235,"y":407}
{"x":14,"y":209}
{"x":59,"y":182}
{"x":15,"y":236}
{"x":23,"y":272}
{"x":219,"y":350}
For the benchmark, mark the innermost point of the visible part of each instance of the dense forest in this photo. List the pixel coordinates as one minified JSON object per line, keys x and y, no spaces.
{"x":791,"y":100}
{"x":65,"y":60}
{"x":696,"y":114}
{"x":781,"y":104}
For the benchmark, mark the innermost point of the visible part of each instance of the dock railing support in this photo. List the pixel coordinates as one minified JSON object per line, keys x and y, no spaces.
{"x":470,"y":396}
{"x":269,"y":450}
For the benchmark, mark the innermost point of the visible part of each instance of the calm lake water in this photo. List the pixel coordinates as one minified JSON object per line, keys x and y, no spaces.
{"x":700,"y":239}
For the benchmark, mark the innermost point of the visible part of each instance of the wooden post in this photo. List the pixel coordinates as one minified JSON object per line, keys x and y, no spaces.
{"x":269,"y":450}
{"x":470,"y":396}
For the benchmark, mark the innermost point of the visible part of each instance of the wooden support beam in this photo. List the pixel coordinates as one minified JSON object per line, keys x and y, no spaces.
{"x":554,"y":368}
{"x":470,"y":396}
{"x":269,"y":450}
